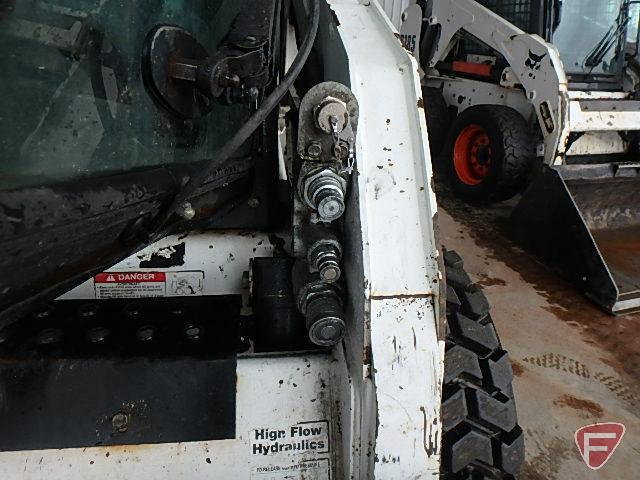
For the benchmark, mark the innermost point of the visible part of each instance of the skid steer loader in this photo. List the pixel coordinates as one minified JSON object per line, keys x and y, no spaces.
{"x":542,"y":94}
{"x":220,"y":256}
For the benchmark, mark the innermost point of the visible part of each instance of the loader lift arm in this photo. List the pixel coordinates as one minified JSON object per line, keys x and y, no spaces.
{"x":534,"y":64}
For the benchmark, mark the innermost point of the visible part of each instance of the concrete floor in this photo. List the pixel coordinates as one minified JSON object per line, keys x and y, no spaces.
{"x":574,"y":364}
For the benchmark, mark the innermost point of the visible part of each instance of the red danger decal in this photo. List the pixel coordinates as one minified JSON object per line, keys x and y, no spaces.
{"x":130,"y":277}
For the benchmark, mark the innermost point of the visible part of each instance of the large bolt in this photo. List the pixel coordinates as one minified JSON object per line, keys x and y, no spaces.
{"x":324,"y":192}
{"x":321,"y":304}
{"x":324,"y":256}
{"x":331,"y":114}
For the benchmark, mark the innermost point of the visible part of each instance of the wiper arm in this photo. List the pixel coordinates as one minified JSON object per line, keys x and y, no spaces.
{"x":613,"y":35}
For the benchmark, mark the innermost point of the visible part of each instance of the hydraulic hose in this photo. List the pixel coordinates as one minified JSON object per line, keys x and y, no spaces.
{"x":193,"y":184}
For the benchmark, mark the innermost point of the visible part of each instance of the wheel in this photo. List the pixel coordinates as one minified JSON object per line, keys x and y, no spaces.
{"x":437,"y":116}
{"x":490,"y":153}
{"x":481,"y":436}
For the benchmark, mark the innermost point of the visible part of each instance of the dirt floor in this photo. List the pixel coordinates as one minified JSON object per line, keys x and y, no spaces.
{"x":574,"y":365}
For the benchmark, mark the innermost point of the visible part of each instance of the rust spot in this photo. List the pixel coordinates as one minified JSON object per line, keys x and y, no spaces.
{"x":517,"y":368}
{"x":592,"y":408}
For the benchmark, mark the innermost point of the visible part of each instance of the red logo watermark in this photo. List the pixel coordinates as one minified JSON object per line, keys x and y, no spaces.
{"x":597,"y":442}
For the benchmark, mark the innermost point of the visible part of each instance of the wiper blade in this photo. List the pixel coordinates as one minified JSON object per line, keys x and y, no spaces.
{"x":611,"y":38}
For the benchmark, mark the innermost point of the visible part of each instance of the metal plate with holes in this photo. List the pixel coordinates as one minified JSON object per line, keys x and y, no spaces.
{"x":116,"y":372}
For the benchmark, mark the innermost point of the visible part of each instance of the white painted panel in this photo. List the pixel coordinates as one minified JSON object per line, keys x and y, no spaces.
{"x":221,"y":256}
{"x":276,"y":393}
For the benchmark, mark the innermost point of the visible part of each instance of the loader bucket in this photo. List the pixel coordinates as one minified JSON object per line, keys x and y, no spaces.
{"x":584,"y":221}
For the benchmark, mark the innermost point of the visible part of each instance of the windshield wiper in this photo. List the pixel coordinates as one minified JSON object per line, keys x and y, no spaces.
{"x":612,"y":37}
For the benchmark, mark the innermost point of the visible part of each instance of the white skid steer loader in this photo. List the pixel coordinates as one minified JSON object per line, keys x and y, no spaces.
{"x":542,"y":95}
{"x":220,"y":256}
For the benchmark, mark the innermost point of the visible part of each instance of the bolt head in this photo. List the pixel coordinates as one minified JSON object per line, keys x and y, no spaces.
{"x":253,"y":203}
{"x":120,"y":422}
{"x":314,"y":149}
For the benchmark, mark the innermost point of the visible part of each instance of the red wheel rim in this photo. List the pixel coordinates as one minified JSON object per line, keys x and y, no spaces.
{"x":472,"y":155}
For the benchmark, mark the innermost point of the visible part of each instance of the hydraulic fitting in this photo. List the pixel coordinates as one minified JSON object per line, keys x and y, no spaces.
{"x":324,"y":191}
{"x":324,"y":256}
{"x":321,"y":304}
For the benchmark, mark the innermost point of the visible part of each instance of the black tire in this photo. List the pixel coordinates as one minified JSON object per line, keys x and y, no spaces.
{"x":438,"y":119}
{"x":506,"y":166}
{"x":481,"y":436}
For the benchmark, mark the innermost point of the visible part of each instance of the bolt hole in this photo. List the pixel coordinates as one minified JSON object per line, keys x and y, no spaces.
{"x":193,"y":332}
{"x":146,"y":333}
{"x":49,"y":336}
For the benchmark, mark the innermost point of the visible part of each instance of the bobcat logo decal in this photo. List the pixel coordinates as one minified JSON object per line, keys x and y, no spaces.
{"x":534,"y":62}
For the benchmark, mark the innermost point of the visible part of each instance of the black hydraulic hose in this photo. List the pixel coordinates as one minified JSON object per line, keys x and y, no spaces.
{"x":271,"y":102}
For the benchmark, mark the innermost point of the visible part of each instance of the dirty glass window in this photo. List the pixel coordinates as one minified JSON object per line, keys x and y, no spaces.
{"x":584,"y":24}
{"x":72,"y":102}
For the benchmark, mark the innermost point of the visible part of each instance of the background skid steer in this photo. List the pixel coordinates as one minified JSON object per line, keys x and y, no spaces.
{"x":543,"y":98}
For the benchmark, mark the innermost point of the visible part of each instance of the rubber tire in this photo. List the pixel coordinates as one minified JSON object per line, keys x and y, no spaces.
{"x":438,"y":119}
{"x":481,"y":438}
{"x":513,"y":154}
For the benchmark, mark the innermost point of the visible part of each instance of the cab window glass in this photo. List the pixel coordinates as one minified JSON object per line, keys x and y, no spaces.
{"x":72,"y":100}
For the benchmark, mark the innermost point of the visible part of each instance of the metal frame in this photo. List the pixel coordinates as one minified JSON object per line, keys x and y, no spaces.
{"x":379,"y":392}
